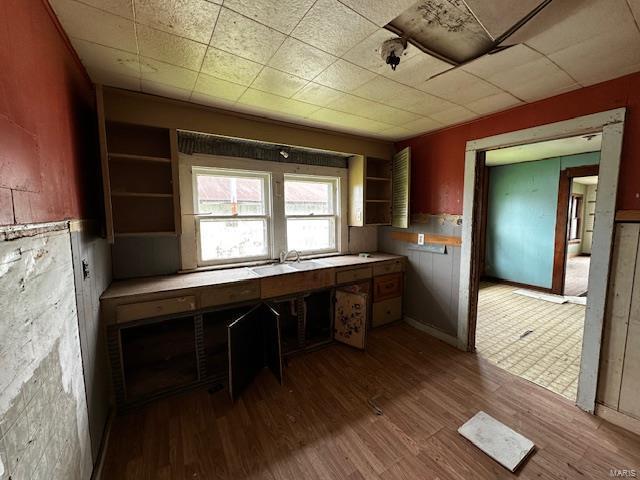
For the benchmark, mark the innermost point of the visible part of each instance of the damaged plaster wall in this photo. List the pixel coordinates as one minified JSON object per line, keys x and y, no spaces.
{"x":44,"y":429}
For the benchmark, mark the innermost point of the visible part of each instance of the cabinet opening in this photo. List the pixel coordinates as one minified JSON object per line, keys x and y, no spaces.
{"x":319,"y":324}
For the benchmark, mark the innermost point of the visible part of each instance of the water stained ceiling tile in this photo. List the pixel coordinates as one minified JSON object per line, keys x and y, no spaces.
{"x":274,"y":81}
{"x":344,"y":76}
{"x":88,"y":23}
{"x":283,"y":15}
{"x":193,"y":19}
{"x":498,"y":16}
{"x":227,"y":66}
{"x":170,"y":48}
{"x":242,"y":36}
{"x":215,"y":87}
{"x":106,"y":76}
{"x":166,"y":73}
{"x":446,"y":27}
{"x":333,"y":27}
{"x":301,"y":59}
{"x":106,"y":58}
{"x":379,"y":12}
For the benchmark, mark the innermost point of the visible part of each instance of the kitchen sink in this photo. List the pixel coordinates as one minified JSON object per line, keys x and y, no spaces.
{"x":277,"y":269}
{"x":306,"y":265}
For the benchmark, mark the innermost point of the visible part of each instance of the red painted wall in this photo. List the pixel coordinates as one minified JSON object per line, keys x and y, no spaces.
{"x":48,"y":161}
{"x":438,"y":157}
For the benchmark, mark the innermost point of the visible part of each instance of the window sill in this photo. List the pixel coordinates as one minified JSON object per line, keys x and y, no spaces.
{"x":228,"y":266}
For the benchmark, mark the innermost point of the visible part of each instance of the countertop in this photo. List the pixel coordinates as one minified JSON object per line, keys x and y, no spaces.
{"x":181,"y":281}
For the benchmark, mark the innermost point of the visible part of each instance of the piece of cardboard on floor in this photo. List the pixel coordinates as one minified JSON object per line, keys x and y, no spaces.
{"x":504,"y":445}
{"x":547,"y":297}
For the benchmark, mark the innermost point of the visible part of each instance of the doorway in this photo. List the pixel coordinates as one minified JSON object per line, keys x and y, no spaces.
{"x":534,"y":217}
{"x":611,"y":124}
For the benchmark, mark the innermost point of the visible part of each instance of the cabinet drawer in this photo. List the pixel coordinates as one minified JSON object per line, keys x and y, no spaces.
{"x":353,"y":275}
{"x":156,"y":308}
{"x":281,"y":285}
{"x":387,"y":286}
{"x":385,"y":268}
{"x":386,"y":311}
{"x":226,"y":294}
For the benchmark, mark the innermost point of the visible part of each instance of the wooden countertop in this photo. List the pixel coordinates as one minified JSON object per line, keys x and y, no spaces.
{"x":181,"y":281}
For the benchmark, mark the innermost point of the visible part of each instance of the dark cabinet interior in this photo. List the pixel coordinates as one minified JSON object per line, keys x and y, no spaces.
{"x":319,"y":314}
{"x":158,"y":356}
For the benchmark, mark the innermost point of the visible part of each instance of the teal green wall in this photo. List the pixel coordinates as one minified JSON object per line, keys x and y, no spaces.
{"x":521,"y":218}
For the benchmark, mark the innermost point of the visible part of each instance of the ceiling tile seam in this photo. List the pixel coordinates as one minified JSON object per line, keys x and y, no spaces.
{"x":205,"y":54}
{"x":359,"y":14}
{"x":101,"y":9}
{"x":494,"y":85}
{"x":135,"y":32}
{"x":554,"y":63}
{"x":288,"y":34}
{"x":635,"y":20}
{"x":274,"y":54}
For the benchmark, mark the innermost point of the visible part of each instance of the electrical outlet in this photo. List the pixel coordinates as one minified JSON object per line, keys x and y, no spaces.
{"x":421,"y":239}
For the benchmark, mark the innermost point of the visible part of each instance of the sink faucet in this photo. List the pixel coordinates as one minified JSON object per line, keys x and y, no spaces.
{"x":284,"y":256}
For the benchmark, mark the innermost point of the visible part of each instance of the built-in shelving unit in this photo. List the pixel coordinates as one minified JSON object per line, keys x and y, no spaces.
{"x":139,"y":166}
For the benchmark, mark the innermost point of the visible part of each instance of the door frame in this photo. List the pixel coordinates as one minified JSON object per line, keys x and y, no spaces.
{"x":611,"y":124}
{"x":562,"y":217}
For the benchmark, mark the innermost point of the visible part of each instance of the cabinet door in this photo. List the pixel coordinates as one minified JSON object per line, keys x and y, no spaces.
{"x":350,"y":321}
{"x":254,"y":343}
{"x":401,"y":181}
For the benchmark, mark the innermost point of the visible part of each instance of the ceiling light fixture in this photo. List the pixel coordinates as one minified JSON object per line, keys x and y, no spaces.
{"x":391,"y":50}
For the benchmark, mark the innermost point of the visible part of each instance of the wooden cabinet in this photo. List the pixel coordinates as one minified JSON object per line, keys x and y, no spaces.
{"x":379,"y":190}
{"x":140,"y":178}
{"x":352,"y":315}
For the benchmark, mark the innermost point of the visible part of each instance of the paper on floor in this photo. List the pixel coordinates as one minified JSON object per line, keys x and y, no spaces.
{"x":504,"y":445}
{"x":548,"y":297}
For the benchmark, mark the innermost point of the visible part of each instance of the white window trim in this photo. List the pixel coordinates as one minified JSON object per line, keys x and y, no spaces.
{"x":188,"y":245}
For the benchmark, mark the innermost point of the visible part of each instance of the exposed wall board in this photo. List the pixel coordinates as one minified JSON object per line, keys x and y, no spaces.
{"x":432,"y":281}
{"x":438,"y":166}
{"x":44,"y":428}
{"x":92,"y":254}
{"x":145,"y":256}
{"x":363,"y":239}
{"x":47,"y":124}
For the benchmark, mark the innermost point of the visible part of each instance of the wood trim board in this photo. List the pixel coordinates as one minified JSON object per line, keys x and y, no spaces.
{"x":412,"y":237}
{"x":628,"y":216}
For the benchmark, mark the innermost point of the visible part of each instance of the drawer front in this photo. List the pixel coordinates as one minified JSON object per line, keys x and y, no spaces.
{"x":384,"y":268}
{"x":156,"y":308}
{"x":353,"y":275}
{"x":387,"y":286}
{"x":238,"y":292}
{"x":386,"y":311}
{"x":281,"y":285}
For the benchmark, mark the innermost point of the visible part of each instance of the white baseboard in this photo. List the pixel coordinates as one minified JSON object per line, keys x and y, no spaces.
{"x":433,"y":331}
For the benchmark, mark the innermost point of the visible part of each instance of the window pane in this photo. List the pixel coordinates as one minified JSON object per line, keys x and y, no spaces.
{"x":305,"y":234}
{"x":222,"y":239}
{"x":306,"y":198}
{"x":229,"y":195}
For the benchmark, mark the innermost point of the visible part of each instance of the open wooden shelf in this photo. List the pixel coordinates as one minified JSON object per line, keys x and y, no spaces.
{"x":141,"y":194}
{"x":142,"y":214}
{"x":137,"y":158}
{"x":378,"y":201}
{"x":379,"y":179}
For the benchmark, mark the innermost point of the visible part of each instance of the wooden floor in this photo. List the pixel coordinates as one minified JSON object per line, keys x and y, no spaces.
{"x":320,"y":426}
{"x":538,"y":340}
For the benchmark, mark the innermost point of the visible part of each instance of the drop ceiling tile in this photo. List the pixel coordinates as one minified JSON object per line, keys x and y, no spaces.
{"x":458,"y":86}
{"x":163,"y":90}
{"x":344,"y":76}
{"x":301,"y":59}
{"x":371,"y":110}
{"x":381,"y":89}
{"x":169,"y":48}
{"x":332,"y":27}
{"x":209,"y":101}
{"x":214,"y":87}
{"x":242,"y":36}
{"x":264,"y":100}
{"x":601,"y":58}
{"x":493,"y":103}
{"x":417,"y":69}
{"x":422,"y":125}
{"x":488,"y":65}
{"x":161,"y":72}
{"x":111,"y":79}
{"x":379,"y":12}
{"x":106,"y":58}
{"x":498,"y":16}
{"x":230,"y":67}
{"x":454,"y":115}
{"x":566,"y":23}
{"x":317,"y":94}
{"x":420,"y":103}
{"x":366,"y":53}
{"x":124,"y":8}
{"x":193,"y":19}
{"x":346,"y":120}
{"x":283,"y":15}
{"x":97,"y":26}
{"x":396,"y":133}
{"x":274,"y":81}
